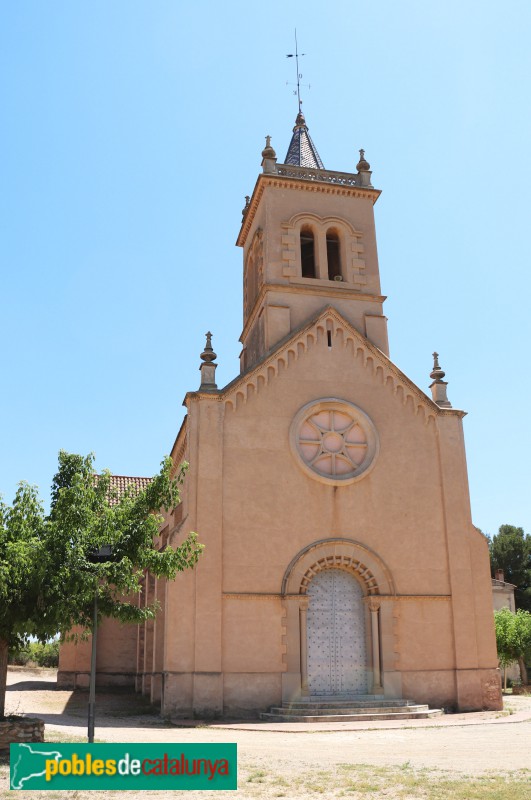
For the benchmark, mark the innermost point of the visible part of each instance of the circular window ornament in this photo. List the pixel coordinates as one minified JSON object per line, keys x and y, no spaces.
{"x":334,"y":441}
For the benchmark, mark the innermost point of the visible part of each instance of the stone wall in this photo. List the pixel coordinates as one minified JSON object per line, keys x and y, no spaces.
{"x":14,"y":730}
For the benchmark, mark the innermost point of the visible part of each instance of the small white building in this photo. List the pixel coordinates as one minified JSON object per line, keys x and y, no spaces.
{"x":503,"y":597}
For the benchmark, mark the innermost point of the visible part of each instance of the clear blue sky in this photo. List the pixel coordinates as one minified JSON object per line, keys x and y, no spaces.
{"x":131,"y":132}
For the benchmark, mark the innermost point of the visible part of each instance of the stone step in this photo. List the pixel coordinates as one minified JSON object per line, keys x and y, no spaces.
{"x":350,"y":710}
{"x":319,"y":698}
{"x":363,"y":717}
{"x":334,"y":703}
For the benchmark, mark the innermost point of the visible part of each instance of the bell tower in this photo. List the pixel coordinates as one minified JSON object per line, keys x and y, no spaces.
{"x":309,"y":241}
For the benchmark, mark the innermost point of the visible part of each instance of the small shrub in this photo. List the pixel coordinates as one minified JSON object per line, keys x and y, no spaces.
{"x":19,"y":658}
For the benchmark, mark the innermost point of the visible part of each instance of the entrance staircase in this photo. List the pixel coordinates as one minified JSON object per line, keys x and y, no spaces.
{"x":353,"y":708}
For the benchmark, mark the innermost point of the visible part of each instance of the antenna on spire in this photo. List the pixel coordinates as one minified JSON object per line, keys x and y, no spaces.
{"x":296,"y":55}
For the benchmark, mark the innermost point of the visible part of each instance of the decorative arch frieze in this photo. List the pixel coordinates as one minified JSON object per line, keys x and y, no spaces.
{"x":315,"y":334}
{"x":347,"y":563}
{"x":338,"y":553}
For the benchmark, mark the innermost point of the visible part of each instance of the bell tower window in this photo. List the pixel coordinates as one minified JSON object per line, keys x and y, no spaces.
{"x":332,"y":255}
{"x":307,"y":253}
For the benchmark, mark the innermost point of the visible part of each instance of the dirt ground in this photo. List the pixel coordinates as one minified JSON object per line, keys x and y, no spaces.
{"x":381,"y":760}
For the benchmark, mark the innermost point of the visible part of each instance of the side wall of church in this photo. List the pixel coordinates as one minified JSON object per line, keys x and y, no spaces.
{"x":115,"y":658}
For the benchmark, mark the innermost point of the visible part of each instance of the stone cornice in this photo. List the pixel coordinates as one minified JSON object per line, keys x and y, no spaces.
{"x":216,"y":395}
{"x":422,"y":597}
{"x":322,"y":183}
{"x":292,"y":596}
{"x":251,"y":596}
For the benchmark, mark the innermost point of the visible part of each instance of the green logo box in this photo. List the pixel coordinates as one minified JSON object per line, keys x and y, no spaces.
{"x":135,"y":766}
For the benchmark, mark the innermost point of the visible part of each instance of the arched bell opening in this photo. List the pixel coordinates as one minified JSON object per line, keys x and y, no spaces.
{"x":333,"y":256}
{"x":307,"y":243}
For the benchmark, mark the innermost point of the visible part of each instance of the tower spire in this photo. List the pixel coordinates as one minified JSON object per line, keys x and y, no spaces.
{"x":301,"y":151}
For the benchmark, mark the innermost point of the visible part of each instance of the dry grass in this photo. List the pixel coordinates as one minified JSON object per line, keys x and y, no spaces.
{"x":364,"y":781}
{"x":357,"y":782}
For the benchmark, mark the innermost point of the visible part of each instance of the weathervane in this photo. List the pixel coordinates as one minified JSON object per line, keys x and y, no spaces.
{"x":296,"y":55}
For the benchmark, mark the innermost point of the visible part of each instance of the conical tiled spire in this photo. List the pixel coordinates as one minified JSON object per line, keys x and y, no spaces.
{"x":302,"y":152}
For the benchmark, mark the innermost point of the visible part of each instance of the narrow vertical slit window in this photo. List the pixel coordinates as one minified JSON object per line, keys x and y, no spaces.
{"x":329,"y":337}
{"x":307,"y":253}
{"x":332,"y":255}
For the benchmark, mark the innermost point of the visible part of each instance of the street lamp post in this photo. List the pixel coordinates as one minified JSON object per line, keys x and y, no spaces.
{"x":92,"y":685}
{"x":98,"y":556}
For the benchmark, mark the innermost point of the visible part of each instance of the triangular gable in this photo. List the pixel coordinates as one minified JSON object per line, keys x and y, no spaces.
{"x":297,"y":343}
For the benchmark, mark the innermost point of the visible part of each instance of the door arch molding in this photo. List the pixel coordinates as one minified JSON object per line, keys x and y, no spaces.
{"x":340,"y":553}
{"x":376,"y":580}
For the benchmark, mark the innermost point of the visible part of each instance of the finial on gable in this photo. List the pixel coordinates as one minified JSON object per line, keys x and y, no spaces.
{"x":437,"y":373}
{"x":208,"y":368}
{"x":269,"y":157}
{"x":362,"y":164}
{"x":364,"y":170}
{"x":438,"y":387}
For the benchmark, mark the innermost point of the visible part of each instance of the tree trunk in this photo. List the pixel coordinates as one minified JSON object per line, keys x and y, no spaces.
{"x":523,"y":670}
{"x":4,"y":648}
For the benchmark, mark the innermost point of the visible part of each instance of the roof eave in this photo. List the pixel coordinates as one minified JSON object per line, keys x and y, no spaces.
{"x":340,"y":180}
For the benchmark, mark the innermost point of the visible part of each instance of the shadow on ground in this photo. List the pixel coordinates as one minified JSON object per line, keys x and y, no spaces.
{"x":118,"y":703}
{"x":37,"y":694}
{"x":32,"y":686}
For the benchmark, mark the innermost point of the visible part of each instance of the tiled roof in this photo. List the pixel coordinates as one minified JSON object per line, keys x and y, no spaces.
{"x":496,"y":584}
{"x":120,"y":483}
{"x":302,"y":152}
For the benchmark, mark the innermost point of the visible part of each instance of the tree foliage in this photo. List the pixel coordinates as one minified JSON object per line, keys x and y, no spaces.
{"x":513,"y":638}
{"x":22,"y":566}
{"x":44,"y":655}
{"x":47,"y":578}
{"x":510,"y":550}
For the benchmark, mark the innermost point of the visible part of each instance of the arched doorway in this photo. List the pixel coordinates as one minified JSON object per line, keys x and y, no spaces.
{"x":337,"y":659}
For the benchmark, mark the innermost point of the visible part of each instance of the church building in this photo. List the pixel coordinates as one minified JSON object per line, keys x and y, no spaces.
{"x":329,"y":490}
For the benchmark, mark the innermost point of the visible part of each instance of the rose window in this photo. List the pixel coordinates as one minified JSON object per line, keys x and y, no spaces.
{"x":334,"y":440}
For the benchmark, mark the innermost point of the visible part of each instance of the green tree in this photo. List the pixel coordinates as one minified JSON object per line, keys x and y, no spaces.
{"x":22,"y":572}
{"x":47,"y":578}
{"x":510,"y":550}
{"x":513,"y":638}
{"x":44,"y":655}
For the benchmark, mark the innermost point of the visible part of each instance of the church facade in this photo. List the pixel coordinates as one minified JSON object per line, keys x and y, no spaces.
{"x":330,"y":491}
